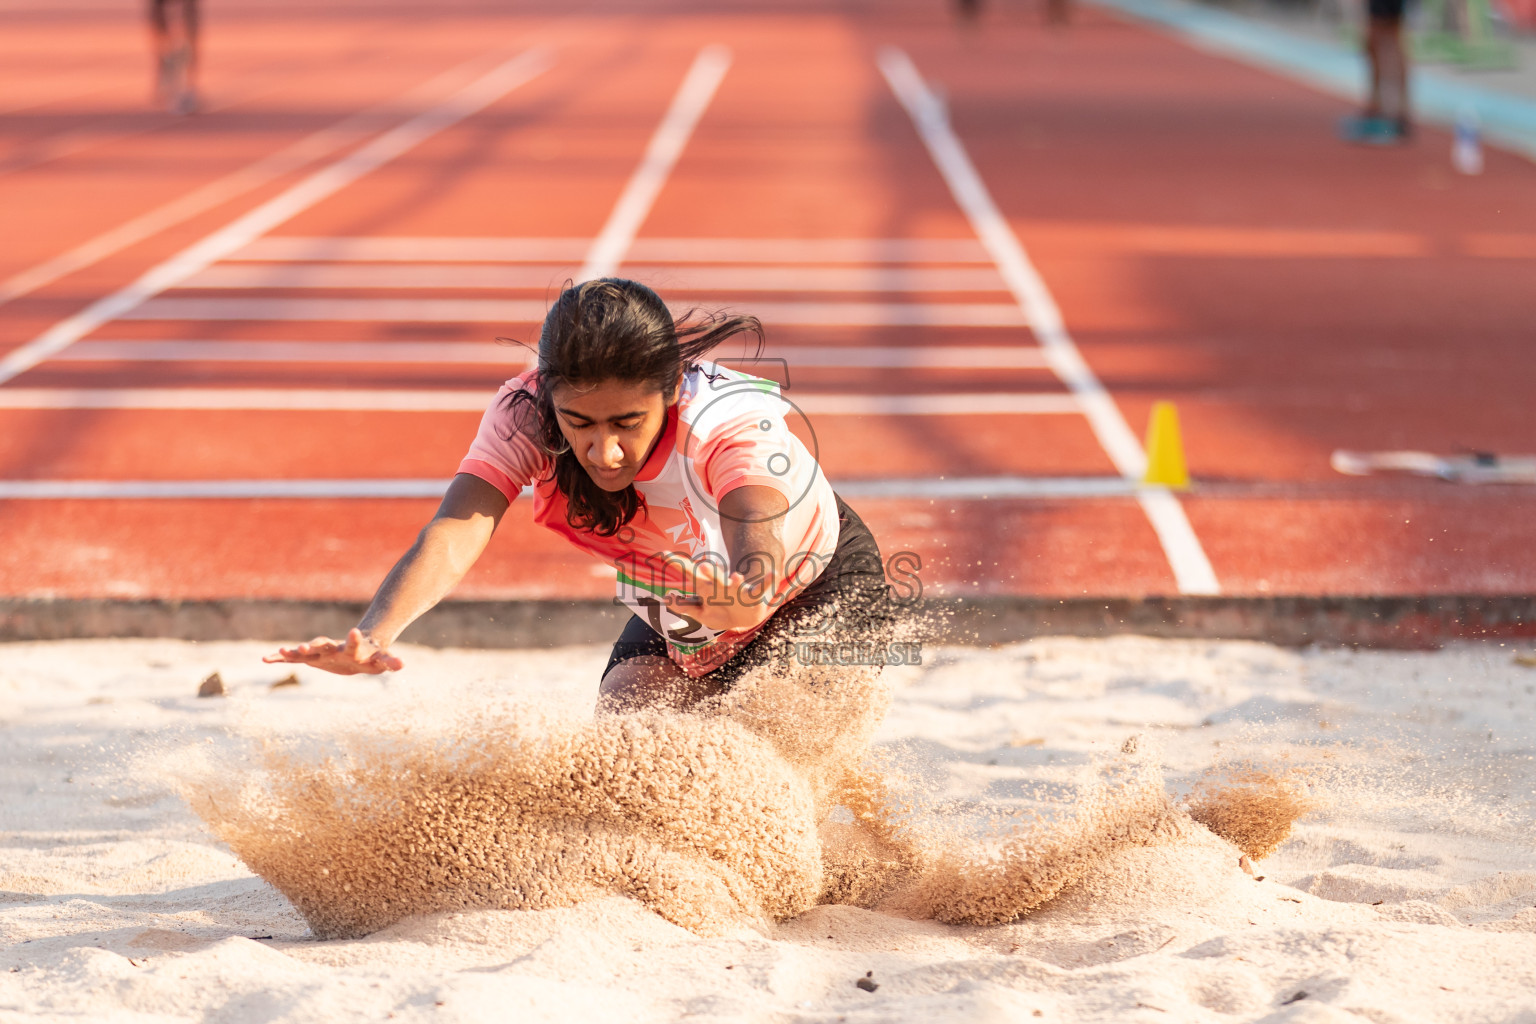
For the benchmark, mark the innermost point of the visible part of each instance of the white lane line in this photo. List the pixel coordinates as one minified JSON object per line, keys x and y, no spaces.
{"x":983,"y":488}
{"x":299,"y":197}
{"x":474,"y":353}
{"x":942,"y":357}
{"x":571,"y":251}
{"x":959,"y":489}
{"x":808,"y":250}
{"x":549,"y":276}
{"x":493,"y":311}
{"x":307,"y":150}
{"x":981,"y":357}
{"x":466,"y":400}
{"x":425,"y":249}
{"x":531,"y":311}
{"x":803,"y":278}
{"x":661,"y":154}
{"x":45,"y":490}
{"x":968,"y":404}
{"x":307,"y":399}
{"x":1191,"y":567}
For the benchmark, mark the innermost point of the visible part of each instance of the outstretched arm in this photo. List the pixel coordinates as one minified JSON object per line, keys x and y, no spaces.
{"x":444,"y":551}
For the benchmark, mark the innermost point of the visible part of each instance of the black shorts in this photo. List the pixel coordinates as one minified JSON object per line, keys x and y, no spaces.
{"x":1386,"y":10}
{"x":850,"y":601}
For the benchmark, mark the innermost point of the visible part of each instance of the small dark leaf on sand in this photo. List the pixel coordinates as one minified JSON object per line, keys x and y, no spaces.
{"x":867,"y":984}
{"x":288,"y":680}
{"x":1298,"y":997}
{"x":213,"y":686}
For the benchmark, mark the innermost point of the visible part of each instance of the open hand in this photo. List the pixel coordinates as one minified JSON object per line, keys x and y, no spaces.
{"x":357,"y":654}
{"x":722,"y":602}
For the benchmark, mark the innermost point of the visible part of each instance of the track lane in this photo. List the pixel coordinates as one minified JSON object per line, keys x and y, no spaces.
{"x":1211,"y":243}
{"x":346,"y":70}
{"x":1284,"y":324}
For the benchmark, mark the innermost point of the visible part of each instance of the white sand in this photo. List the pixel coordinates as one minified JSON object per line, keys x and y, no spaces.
{"x":1410,"y":897}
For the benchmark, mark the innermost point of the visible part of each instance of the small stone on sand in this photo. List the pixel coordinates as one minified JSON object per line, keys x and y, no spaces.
{"x":213,"y":686}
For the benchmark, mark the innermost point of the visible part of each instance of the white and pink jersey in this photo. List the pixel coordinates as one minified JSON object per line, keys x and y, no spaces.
{"x":727,"y":430}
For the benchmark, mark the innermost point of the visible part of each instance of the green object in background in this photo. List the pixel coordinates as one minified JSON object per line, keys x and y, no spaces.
{"x":1462,"y":32}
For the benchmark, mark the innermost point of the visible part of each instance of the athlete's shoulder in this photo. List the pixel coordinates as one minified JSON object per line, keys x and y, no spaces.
{"x":715,"y":377}
{"x":502,"y":404}
{"x":713,"y":395}
{"x":528,"y":381}
{"x":508,"y":414}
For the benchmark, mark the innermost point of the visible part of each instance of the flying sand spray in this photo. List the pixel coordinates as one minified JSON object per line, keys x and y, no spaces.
{"x":716,"y":821}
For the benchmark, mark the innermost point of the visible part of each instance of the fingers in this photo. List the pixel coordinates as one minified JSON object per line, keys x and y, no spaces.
{"x":720,"y":601}
{"x":357,"y":654}
{"x":703,"y":574}
{"x":304,"y":653}
{"x":708,"y":579}
{"x":707,"y":573}
{"x":317,"y":648}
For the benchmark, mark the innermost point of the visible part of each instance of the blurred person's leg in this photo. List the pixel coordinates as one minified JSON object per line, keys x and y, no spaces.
{"x":174,"y":26}
{"x":190,"y":19}
{"x":1389,"y":68}
{"x":160,"y":41}
{"x":1385,"y":117}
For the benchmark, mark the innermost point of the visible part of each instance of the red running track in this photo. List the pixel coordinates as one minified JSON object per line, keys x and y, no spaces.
{"x":1205,"y":237}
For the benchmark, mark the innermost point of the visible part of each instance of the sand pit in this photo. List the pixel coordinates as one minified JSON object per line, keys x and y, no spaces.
{"x":455,"y":843}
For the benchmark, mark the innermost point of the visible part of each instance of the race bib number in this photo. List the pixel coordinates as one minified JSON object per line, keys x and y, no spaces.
{"x":681,"y":631}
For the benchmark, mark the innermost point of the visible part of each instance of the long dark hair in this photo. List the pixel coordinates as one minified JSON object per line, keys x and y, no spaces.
{"x":611,"y":329}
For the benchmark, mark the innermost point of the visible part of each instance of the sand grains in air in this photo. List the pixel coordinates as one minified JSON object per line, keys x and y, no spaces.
{"x":716,"y":820}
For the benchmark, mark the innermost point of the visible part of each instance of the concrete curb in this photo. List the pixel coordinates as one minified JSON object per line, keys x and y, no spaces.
{"x":1393,"y":622}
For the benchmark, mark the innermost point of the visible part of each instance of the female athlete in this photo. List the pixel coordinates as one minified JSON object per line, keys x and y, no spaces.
{"x":730,"y":545}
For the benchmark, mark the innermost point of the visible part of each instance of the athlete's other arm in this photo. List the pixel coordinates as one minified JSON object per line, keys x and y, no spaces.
{"x":752,"y":517}
{"x":444,"y":551}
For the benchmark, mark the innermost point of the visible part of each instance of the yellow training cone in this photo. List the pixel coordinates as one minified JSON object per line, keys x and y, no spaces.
{"x":1165,"y":448}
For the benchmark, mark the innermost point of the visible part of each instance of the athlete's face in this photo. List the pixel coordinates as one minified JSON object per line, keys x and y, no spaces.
{"x":612,"y":427}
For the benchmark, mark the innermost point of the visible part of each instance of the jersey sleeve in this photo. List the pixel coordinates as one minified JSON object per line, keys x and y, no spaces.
{"x":502,"y":454}
{"x":756,"y":450}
